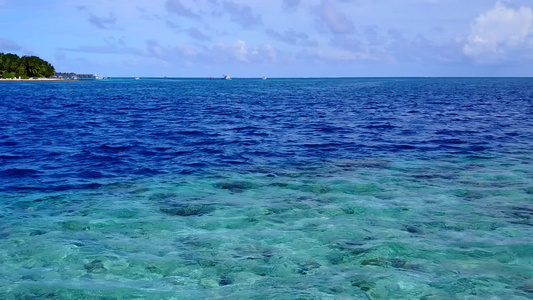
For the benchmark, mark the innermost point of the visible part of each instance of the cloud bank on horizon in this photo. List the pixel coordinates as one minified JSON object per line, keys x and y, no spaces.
{"x":278,"y":38}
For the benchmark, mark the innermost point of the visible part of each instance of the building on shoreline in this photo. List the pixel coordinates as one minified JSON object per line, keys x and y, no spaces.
{"x":74,"y":76}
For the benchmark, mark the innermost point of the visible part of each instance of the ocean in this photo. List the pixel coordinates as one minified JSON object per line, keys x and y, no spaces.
{"x":346,"y":188}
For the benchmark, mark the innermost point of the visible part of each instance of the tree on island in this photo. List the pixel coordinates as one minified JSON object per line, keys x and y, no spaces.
{"x":11,"y":65}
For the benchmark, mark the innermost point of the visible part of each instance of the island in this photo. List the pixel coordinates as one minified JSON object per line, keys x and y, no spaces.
{"x":12,"y":66}
{"x":15,"y":68}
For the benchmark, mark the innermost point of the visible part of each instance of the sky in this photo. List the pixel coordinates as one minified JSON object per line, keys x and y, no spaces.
{"x":274,"y":38}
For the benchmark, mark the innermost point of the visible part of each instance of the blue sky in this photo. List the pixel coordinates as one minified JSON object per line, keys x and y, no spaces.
{"x":275,"y":38}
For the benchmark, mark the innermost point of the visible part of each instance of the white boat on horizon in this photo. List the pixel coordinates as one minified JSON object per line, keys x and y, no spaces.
{"x":226,"y":77}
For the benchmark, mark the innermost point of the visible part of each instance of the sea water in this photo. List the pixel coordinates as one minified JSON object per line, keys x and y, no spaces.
{"x":375,"y":188}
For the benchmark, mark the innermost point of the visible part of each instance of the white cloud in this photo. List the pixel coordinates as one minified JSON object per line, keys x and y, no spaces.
{"x":498,"y":32}
{"x":239,"y":51}
{"x":236,"y":52}
{"x":188,"y":50}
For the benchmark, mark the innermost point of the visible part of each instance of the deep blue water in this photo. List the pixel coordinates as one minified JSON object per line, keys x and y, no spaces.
{"x":375,"y":188}
{"x":70,"y":134}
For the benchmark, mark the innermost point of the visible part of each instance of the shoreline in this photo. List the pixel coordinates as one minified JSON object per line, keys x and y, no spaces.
{"x":31,"y":79}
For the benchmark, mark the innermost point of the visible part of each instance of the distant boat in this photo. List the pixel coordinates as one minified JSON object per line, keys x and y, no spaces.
{"x":226,"y":77}
{"x":264,"y":78}
{"x":136,"y":78}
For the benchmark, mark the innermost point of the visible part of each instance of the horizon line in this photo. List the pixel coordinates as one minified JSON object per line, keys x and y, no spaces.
{"x":310,"y":77}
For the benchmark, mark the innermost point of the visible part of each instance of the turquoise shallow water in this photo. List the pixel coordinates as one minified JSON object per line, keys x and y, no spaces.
{"x":346,"y":229}
{"x":279,"y":189}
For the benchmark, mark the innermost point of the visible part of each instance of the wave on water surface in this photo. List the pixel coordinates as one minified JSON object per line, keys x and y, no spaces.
{"x":278,"y":189}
